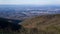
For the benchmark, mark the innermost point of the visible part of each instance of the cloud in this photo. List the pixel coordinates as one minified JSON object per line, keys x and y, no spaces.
{"x":34,"y":2}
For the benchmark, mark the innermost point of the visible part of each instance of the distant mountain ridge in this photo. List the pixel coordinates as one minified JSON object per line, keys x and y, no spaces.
{"x":22,"y":12}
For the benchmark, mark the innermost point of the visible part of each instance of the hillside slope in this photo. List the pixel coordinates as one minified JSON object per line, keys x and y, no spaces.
{"x":45,"y":24}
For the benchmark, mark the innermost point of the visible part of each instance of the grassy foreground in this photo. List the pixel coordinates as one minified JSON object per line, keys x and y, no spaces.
{"x":45,"y":24}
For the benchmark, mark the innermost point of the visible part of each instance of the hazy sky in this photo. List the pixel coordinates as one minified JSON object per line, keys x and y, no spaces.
{"x":32,"y":2}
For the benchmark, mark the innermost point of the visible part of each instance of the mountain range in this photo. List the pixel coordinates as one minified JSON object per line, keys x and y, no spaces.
{"x":22,"y":12}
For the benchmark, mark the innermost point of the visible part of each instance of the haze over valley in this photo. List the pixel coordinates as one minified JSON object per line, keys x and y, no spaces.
{"x":21,"y":12}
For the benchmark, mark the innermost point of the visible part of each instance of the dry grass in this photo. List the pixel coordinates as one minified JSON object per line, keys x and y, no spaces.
{"x":45,"y":24}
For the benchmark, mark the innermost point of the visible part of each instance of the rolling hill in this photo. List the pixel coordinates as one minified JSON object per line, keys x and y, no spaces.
{"x":45,"y":24}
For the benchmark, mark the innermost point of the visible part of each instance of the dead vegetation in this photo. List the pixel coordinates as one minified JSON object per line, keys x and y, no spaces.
{"x":45,"y":24}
